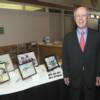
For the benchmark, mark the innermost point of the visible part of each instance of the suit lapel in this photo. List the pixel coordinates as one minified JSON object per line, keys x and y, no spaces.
{"x":88,"y":41}
{"x":76,"y":42}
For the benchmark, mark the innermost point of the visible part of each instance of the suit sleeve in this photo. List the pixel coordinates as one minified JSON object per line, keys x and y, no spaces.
{"x":98,"y":58}
{"x":65,"y":58}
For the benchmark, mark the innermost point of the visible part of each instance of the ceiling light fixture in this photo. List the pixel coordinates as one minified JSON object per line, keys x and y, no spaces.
{"x":92,"y":16}
{"x":11,"y":6}
{"x":24,"y":7}
{"x":32,"y":8}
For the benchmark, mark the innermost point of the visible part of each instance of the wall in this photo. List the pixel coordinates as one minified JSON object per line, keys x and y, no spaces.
{"x":21,"y":26}
{"x":93,"y":23}
{"x":55,"y":26}
{"x":68,"y":24}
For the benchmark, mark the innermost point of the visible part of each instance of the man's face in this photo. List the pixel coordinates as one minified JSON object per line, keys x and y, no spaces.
{"x":81,"y":17}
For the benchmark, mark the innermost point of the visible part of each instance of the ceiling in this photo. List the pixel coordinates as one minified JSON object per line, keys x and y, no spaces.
{"x":94,"y":4}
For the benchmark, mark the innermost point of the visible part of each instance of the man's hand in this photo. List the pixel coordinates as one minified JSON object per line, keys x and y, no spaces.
{"x":97,"y":81}
{"x":66,"y":80}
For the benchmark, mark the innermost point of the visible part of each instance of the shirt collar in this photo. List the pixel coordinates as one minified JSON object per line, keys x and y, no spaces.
{"x":85,"y":30}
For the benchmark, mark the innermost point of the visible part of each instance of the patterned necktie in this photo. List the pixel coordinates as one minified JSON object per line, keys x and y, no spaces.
{"x":82,"y":41}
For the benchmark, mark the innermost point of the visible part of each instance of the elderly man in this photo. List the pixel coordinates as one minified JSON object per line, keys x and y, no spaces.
{"x":81,"y":57}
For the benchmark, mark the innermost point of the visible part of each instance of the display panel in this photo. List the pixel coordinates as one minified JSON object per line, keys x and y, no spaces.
{"x":4,"y":76}
{"x":51,"y":63}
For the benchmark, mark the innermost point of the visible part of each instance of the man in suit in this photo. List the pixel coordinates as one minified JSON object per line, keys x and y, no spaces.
{"x":81,"y":57}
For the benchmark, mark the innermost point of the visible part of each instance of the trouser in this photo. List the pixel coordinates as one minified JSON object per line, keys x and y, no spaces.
{"x":83,"y":93}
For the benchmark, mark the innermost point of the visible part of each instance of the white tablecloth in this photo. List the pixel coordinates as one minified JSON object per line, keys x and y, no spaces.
{"x":42,"y":77}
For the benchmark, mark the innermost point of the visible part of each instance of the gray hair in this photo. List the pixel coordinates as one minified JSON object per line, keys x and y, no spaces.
{"x":87,"y":9}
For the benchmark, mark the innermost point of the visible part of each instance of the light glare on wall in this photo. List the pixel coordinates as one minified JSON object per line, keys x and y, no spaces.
{"x":11,"y":6}
{"x":32,"y":8}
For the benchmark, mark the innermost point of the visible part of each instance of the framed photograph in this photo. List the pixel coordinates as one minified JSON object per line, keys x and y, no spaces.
{"x":4,"y":75}
{"x":51,"y":63}
{"x":5,"y":58}
{"x":27,"y":57}
{"x":27,"y":70}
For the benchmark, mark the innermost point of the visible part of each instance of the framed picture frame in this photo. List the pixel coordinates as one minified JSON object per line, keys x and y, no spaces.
{"x":51,"y":62}
{"x":5,"y":58}
{"x":4,"y":75}
{"x":27,"y":70}
{"x":26,"y":58}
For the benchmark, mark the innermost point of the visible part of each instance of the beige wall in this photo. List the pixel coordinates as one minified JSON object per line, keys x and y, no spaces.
{"x":68,"y":24}
{"x":23,"y":26}
{"x":55,"y":26}
{"x":93,"y":23}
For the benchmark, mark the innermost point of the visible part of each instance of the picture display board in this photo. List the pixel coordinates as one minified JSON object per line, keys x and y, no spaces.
{"x":5,"y":58}
{"x":27,"y":57}
{"x":27,"y":70}
{"x":51,"y":62}
{"x":27,"y":64}
{"x":4,"y":75}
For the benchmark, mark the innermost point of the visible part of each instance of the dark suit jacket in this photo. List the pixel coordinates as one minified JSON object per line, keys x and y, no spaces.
{"x":74,"y":59}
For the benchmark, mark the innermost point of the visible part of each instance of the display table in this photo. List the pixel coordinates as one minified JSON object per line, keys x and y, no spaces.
{"x":45,"y":85}
{"x":16,"y":83}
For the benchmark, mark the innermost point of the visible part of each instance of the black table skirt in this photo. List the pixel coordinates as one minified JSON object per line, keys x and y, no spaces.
{"x":50,"y":91}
